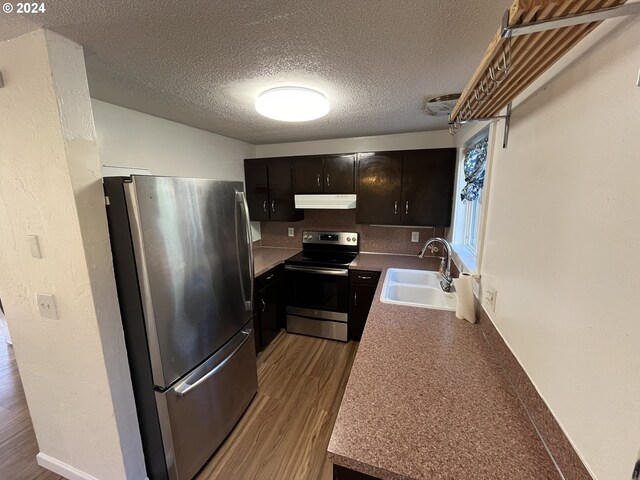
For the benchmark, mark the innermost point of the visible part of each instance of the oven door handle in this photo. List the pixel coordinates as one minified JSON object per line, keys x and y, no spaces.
{"x":318,"y":270}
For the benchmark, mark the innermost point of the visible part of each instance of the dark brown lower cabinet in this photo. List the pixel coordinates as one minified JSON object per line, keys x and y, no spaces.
{"x":342,"y":473}
{"x":362,"y":289}
{"x":269,"y":305}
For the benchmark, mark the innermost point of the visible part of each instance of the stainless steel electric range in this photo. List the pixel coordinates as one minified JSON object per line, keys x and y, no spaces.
{"x":317,"y":282}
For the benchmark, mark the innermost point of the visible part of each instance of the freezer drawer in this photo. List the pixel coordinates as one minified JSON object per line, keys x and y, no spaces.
{"x":198,"y":413}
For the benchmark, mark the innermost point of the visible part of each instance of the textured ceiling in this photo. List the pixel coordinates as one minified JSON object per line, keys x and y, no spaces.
{"x":202,"y":63}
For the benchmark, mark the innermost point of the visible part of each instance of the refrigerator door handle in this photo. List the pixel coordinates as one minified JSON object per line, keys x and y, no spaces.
{"x":186,"y":386}
{"x":242,"y":198}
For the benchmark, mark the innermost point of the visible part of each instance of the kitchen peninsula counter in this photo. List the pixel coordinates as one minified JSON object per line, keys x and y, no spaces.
{"x":426,"y":399}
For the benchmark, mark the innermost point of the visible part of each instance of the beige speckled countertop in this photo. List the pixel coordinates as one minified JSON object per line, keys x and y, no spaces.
{"x":426,"y":399}
{"x":265,"y":258}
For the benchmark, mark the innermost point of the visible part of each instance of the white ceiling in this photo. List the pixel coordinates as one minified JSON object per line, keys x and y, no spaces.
{"x":203,"y":62}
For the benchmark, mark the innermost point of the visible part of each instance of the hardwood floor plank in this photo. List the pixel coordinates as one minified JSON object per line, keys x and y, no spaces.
{"x":286,"y":430}
{"x":18,"y":446}
{"x":284,"y":433}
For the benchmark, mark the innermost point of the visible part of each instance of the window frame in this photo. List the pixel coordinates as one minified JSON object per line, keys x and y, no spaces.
{"x":467,"y":255}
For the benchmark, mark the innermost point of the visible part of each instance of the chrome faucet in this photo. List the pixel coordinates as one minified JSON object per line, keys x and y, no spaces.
{"x":445,"y":284}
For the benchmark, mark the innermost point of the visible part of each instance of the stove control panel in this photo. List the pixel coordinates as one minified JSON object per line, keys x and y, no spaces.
{"x":331,"y":238}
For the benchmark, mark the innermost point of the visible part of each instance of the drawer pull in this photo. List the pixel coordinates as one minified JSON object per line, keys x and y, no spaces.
{"x":269,"y":277}
{"x":363,"y":277}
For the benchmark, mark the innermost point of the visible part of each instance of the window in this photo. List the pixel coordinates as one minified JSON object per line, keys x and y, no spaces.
{"x":469,"y":202}
{"x":472,"y":223}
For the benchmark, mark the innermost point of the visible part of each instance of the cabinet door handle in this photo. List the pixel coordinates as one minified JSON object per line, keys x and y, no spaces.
{"x":318,"y":179}
{"x":263,"y":306}
{"x":328,"y":181}
{"x":273,"y":205}
{"x":264,"y":205}
{"x":364,"y":277}
{"x":355,"y":298}
{"x":395,"y":207}
{"x":406,"y":207}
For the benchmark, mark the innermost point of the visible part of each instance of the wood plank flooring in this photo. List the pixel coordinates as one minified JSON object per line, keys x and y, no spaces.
{"x":18,"y":447}
{"x":285,"y":432}
{"x":283,"y":435}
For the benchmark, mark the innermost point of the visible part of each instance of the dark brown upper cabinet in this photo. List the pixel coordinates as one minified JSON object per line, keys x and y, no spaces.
{"x":413,"y":187}
{"x":324,"y":174}
{"x":269,"y":190}
{"x":427,"y":187}
{"x":256,"y":181}
{"x":379,"y":188}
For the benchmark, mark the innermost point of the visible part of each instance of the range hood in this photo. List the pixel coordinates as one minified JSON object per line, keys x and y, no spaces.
{"x":327,"y":202}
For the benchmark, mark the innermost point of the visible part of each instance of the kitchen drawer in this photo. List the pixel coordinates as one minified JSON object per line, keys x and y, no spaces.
{"x":363,"y":277}
{"x":269,"y":277}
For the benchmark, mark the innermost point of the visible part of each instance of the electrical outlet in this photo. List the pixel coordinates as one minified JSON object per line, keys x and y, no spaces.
{"x":290,"y":231}
{"x":490,"y":297}
{"x":415,"y":237}
{"x":47,"y":305}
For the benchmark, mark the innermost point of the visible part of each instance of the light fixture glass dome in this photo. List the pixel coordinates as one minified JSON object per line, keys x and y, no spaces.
{"x":292,"y":104}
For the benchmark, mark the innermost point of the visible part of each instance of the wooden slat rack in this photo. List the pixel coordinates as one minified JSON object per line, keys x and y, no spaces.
{"x":533,"y":36}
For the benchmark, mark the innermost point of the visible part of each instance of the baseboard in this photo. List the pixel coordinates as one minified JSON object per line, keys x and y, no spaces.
{"x":62,"y":469}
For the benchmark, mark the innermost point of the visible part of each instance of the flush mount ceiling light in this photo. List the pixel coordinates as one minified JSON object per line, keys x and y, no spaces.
{"x":292,"y":104}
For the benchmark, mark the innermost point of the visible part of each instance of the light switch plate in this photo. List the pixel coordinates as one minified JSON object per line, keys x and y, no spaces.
{"x":34,"y":246}
{"x":290,"y":231}
{"x":415,"y":237}
{"x":47,"y":305}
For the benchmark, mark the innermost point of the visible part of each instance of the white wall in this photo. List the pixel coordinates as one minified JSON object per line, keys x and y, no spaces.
{"x":134,"y":139}
{"x":401,"y":141}
{"x":562,"y":247}
{"x":74,"y":369}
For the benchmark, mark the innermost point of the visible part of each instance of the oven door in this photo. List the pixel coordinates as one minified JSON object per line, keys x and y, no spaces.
{"x":318,"y":301}
{"x":318,"y":288}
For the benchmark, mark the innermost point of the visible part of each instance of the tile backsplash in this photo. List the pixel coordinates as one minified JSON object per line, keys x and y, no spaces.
{"x":377,"y":239}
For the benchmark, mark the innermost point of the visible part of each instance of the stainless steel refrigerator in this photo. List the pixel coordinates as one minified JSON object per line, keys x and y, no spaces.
{"x":184,"y":272}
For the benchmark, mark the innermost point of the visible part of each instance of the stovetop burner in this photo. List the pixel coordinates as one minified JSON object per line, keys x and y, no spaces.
{"x":322,"y":259}
{"x":327,"y":249}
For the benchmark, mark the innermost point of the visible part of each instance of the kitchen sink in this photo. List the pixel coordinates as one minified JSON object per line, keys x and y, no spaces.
{"x":416,"y":288}
{"x":421,"y":278}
